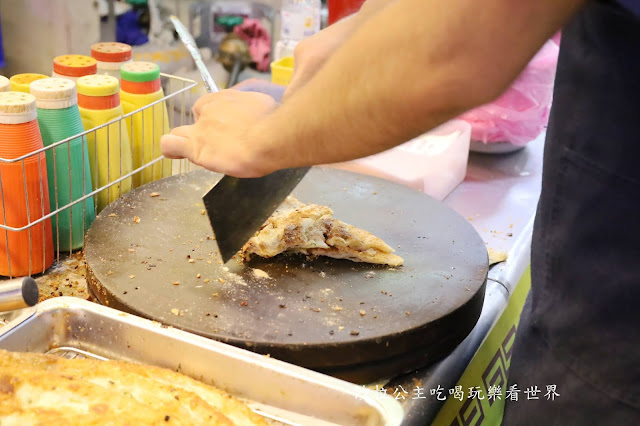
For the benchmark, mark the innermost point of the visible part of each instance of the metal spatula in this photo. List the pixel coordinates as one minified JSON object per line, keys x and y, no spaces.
{"x":238,"y":207}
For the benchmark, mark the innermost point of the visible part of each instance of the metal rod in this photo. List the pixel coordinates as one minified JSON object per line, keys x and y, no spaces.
{"x":6,"y":231}
{"x":29,"y":224}
{"x":55,"y":194}
{"x":42,"y":213}
{"x":70,"y":200}
{"x":18,"y":293}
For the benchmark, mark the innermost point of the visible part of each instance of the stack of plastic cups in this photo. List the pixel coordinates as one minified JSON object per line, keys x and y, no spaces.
{"x":111,"y":56}
{"x":24,"y":192}
{"x":140,"y":87}
{"x":109,"y":146}
{"x":73,"y":67}
{"x":4,"y":84}
{"x":67,"y":164}
{"x":21,"y":82}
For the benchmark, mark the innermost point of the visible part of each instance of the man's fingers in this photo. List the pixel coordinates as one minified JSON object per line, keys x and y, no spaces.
{"x":201,"y":102}
{"x":177,"y":143}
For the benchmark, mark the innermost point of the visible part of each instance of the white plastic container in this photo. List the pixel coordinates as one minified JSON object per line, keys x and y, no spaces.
{"x":298,"y":19}
{"x":434,"y":163}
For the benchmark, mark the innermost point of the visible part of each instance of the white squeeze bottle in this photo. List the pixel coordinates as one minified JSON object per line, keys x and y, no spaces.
{"x":298,"y":19}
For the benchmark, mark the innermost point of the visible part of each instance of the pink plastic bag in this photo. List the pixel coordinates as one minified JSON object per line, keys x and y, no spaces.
{"x":257,"y":37}
{"x":521,"y":113}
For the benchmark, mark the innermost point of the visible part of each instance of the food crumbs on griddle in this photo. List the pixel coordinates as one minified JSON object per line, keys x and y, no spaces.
{"x":154,"y":194}
{"x":337,"y":308}
{"x":203,"y":212}
{"x":136,"y":219}
{"x":176,"y":283}
{"x":132,"y":276}
{"x":112,"y":215}
{"x":375,"y":316}
{"x":363,"y":312}
{"x":208,"y":314}
{"x":362,"y":303}
{"x":331,"y":332}
{"x":206,"y":280}
{"x":109,"y":272}
{"x":137,"y":288}
{"x":407,"y":313}
{"x":166,"y":418}
{"x":354,"y":332}
{"x":124,"y":292}
{"x":282,"y":306}
{"x":132,"y":250}
{"x":222,"y":281}
{"x":315,"y":309}
{"x":192,"y":261}
{"x":175,"y":311}
{"x":215,"y":295}
{"x":198,"y":276}
{"x":340,"y":328}
{"x":509,"y":234}
{"x":209,"y":262}
{"x":243,"y":303}
{"x":289,"y":334}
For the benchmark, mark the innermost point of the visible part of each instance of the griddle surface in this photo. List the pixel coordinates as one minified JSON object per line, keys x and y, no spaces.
{"x":308,"y":312}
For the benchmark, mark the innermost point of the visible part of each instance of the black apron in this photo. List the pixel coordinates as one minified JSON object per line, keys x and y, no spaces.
{"x":580,"y":328}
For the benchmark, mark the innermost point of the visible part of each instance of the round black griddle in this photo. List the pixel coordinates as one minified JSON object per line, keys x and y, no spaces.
{"x":352,"y":320}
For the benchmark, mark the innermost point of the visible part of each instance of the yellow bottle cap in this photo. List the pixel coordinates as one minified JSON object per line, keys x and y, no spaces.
{"x":17,"y":107}
{"x":98,"y":85}
{"x":21,"y":82}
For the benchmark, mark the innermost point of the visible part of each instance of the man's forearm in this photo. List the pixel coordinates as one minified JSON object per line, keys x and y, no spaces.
{"x":404,"y":71}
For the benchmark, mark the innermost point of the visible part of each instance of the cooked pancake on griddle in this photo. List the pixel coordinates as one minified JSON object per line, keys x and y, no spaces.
{"x":296,"y":227}
{"x":41,"y":389}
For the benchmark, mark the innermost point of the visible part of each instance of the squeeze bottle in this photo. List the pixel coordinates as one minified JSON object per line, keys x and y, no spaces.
{"x":111,"y":56}
{"x":23,"y":189}
{"x":74,"y":66}
{"x":67,"y":164}
{"x":109,"y":146}
{"x":140,"y":87}
{"x":21,"y":82}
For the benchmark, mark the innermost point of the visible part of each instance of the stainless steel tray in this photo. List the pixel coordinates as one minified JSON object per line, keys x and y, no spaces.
{"x":286,"y":393}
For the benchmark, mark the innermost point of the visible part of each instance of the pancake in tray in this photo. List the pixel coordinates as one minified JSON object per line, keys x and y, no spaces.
{"x":47,"y":389}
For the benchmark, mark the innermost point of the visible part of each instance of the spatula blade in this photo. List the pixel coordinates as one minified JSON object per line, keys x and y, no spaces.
{"x":237,"y":207}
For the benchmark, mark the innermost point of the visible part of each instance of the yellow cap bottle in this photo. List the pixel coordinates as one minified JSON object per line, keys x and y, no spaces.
{"x":109,"y":147}
{"x":21,"y":82}
{"x":140,"y":87}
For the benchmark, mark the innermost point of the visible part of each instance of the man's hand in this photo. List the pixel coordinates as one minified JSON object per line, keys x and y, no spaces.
{"x":219,"y":140}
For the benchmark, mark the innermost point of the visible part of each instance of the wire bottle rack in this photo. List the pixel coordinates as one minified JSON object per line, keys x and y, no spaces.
{"x":179,"y":96}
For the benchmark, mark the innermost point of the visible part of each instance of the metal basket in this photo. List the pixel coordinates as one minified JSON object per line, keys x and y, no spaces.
{"x":178,"y":99}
